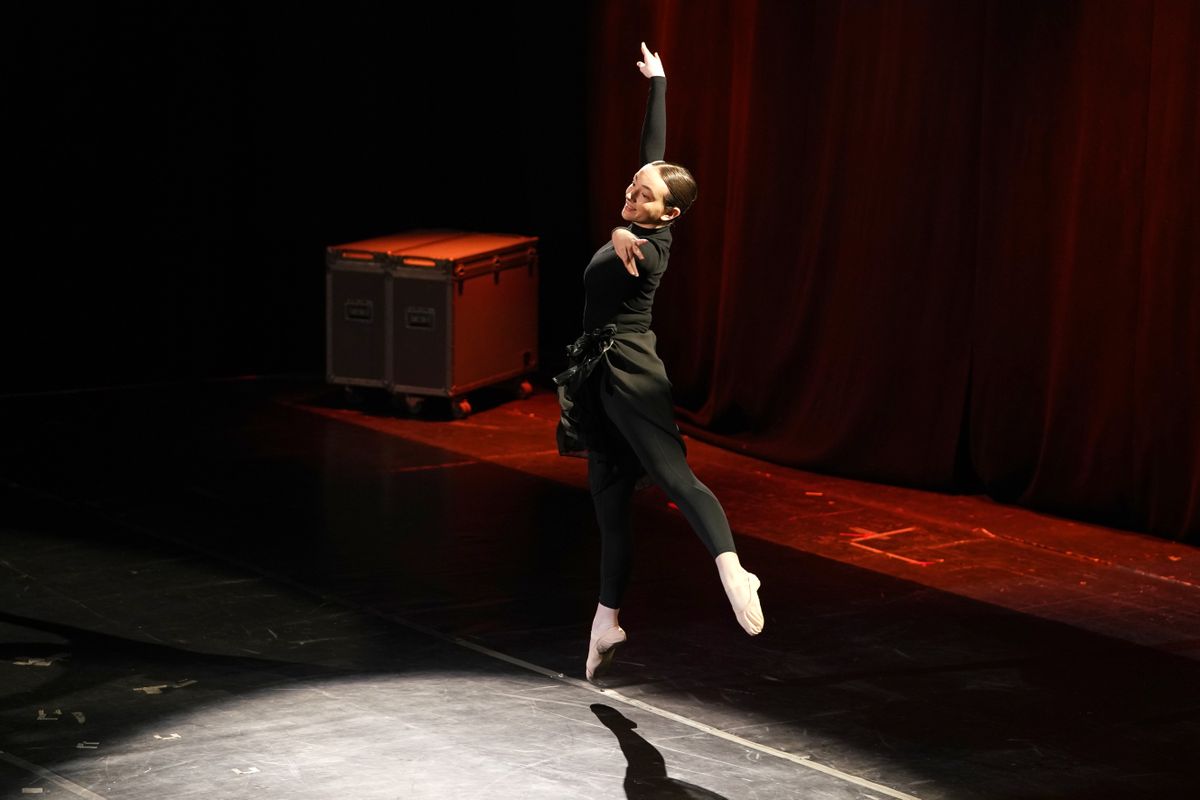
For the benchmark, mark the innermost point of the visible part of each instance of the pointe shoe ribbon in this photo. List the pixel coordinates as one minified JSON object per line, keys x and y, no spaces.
{"x":601,"y":650}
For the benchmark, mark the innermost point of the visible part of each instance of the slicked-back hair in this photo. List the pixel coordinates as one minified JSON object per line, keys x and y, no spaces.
{"x":681,"y":186}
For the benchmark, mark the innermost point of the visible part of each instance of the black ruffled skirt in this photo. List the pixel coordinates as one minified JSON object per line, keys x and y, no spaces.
{"x":625,"y":365}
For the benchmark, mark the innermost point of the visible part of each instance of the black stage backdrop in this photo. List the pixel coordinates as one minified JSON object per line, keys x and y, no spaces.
{"x":185,"y":165}
{"x":940,"y":244}
{"x":944,"y":244}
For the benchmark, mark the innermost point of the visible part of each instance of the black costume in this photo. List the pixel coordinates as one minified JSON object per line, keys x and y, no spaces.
{"x":616,"y":398}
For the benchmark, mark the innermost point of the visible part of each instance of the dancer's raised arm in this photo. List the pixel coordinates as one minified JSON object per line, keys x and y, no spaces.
{"x":653,"y":145}
{"x":654,"y":128}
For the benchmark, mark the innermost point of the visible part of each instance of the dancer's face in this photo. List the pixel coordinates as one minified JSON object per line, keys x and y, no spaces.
{"x":645,"y":199}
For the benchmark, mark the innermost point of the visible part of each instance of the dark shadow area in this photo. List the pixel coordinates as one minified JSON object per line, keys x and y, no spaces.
{"x":923,"y":690}
{"x":381,"y":403}
{"x":646,"y":776}
{"x":205,"y":161}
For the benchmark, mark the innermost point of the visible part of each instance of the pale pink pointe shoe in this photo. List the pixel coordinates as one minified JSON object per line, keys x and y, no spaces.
{"x":750,"y":615}
{"x":601,"y":650}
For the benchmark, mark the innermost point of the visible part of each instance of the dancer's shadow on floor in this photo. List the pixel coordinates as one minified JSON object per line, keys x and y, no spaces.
{"x":646,"y":773}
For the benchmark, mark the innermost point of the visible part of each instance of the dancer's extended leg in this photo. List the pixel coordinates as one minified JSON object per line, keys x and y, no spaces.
{"x":611,"y":494}
{"x":664,"y":460}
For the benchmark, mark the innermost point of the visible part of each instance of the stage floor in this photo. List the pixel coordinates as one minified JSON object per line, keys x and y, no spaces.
{"x":248,"y":589}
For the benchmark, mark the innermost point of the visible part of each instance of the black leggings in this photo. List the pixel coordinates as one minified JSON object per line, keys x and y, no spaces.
{"x":663,"y":459}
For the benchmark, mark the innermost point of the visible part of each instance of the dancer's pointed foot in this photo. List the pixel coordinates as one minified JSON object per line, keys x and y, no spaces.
{"x":741,"y":587}
{"x":602,"y":648}
{"x":743,"y":597}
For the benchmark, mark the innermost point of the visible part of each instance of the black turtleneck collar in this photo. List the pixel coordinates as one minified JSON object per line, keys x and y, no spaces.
{"x":642,"y":232}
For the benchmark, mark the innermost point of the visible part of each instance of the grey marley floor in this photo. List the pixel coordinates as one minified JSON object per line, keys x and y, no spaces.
{"x":246,"y":590}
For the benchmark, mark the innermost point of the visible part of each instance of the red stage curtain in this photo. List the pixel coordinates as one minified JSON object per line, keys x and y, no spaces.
{"x":942,"y":244}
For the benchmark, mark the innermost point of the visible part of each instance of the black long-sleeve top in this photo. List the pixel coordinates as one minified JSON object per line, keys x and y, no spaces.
{"x":612,"y":294}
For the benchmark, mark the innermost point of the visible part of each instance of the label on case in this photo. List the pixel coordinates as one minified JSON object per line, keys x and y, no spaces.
{"x":359,"y":310}
{"x":419,"y":317}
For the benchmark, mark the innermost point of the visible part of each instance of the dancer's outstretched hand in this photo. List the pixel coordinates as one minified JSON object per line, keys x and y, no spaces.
{"x":651,"y":64}
{"x":627,"y":248}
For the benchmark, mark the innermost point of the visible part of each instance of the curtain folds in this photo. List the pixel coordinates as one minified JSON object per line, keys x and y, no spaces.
{"x":948,"y":245}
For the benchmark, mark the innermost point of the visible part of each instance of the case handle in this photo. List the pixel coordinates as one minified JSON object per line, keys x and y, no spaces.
{"x":351,"y":254}
{"x":417,"y":261}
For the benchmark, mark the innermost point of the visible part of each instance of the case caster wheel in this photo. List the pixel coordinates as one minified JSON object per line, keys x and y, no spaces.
{"x":352,"y":396}
{"x":460,"y":408}
{"x":413,"y":403}
{"x":524,"y":390}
